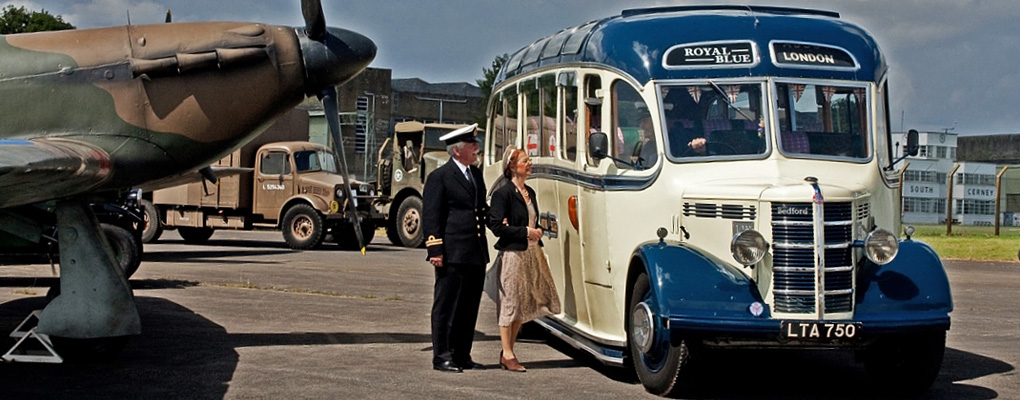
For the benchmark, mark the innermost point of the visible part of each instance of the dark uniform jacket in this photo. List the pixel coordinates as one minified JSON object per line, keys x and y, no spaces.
{"x":454,"y":215}
{"x":508,"y":203}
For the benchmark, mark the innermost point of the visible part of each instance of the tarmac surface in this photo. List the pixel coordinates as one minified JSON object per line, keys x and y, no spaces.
{"x":245,"y":317}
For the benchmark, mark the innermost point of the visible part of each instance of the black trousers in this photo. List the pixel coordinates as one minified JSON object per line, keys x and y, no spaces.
{"x":458,"y":292}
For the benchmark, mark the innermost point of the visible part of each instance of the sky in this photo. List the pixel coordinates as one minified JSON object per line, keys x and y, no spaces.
{"x":954,"y":64}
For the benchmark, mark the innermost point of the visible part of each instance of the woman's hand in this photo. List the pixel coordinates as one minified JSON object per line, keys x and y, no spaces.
{"x":534,"y":234}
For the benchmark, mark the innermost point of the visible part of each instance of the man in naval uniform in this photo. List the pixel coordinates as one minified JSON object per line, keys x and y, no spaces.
{"x":454,"y":214}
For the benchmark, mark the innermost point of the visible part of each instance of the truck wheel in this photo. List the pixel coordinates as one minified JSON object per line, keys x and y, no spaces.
{"x":152,"y":228}
{"x":409,"y":221}
{"x":126,"y":249}
{"x":343,"y":235}
{"x":302,"y":227}
{"x":195,"y":235}
{"x":392,"y":230}
{"x":906,"y":365}
{"x":658,"y":361}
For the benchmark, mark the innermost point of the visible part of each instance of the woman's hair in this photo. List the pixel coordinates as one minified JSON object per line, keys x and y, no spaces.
{"x":510,"y":162}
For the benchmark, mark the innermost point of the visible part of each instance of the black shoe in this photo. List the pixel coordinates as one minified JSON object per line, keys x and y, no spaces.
{"x":447,"y":366}
{"x":470,"y":365}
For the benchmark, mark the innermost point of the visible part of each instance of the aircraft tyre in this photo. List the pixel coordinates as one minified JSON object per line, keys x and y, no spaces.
{"x":409,"y":223}
{"x":343,"y":235}
{"x":152,"y":227}
{"x":906,"y":365}
{"x":195,"y":235}
{"x":660,"y":363}
{"x":126,"y":248}
{"x":302,"y":227}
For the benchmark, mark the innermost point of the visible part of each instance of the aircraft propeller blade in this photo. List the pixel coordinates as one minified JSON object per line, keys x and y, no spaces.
{"x":315,"y":20}
{"x":332,"y":110}
{"x":169,"y":17}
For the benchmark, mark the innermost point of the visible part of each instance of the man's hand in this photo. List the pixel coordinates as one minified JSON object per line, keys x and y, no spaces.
{"x":698,"y":145}
{"x":436,"y":261}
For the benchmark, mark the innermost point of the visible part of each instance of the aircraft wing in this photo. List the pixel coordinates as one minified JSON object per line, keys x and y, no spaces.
{"x":43,"y":169}
{"x":194,"y":176}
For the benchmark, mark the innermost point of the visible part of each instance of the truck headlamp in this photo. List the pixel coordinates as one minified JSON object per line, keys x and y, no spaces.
{"x":881,"y":246}
{"x":340,"y":192}
{"x":749,"y":247}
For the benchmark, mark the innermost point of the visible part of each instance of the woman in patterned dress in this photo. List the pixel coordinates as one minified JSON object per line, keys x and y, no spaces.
{"x":526,"y":289}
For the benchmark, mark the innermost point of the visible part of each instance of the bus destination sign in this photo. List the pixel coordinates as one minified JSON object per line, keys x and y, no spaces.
{"x":811,"y":55}
{"x":716,"y":54}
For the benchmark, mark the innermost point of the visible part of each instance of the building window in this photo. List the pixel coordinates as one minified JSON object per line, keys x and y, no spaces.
{"x":940,"y":152}
{"x":361,"y":126}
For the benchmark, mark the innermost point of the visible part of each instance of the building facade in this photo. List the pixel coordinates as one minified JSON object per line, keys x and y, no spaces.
{"x":926,"y":185}
{"x":447,"y":103}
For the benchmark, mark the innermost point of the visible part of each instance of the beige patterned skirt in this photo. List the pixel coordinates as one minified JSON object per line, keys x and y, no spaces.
{"x":526,"y":289}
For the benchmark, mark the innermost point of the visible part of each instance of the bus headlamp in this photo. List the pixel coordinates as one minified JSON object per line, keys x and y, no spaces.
{"x":749,"y":247}
{"x":881,"y":246}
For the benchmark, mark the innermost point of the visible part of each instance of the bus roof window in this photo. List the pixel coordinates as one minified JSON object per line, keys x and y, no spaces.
{"x":552,"y":49}
{"x":573,"y":44}
{"x":534,"y":51}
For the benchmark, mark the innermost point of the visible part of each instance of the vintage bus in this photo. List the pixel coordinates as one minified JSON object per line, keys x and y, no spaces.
{"x":721,"y":176}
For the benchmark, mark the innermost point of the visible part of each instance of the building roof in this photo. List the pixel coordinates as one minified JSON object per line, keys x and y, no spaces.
{"x":999,"y":149}
{"x":416,"y":85}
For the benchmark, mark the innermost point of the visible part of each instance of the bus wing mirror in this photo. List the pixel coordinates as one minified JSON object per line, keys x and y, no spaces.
{"x":912,"y":145}
{"x":912,"y":149}
{"x":598,"y":142}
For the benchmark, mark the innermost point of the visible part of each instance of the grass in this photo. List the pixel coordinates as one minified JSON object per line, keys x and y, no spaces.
{"x":971,"y":242}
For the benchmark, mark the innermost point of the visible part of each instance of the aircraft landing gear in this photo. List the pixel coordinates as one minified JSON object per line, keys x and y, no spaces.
{"x":95,"y":301}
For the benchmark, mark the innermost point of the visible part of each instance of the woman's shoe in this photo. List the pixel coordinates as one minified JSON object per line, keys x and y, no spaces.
{"x":510,"y":364}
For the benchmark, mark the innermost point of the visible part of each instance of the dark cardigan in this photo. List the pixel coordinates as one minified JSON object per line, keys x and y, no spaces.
{"x":508,"y":203}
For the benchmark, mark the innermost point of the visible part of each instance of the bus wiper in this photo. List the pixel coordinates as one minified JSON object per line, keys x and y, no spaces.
{"x":726,"y":98}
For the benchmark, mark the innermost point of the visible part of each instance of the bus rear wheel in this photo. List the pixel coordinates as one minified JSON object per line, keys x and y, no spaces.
{"x":659,"y":362}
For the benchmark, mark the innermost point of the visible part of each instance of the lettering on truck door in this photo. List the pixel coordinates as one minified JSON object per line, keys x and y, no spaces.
{"x":274,"y":183}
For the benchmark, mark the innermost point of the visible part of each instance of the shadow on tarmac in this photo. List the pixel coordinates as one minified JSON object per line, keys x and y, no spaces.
{"x":181,"y":354}
{"x":798,"y":374}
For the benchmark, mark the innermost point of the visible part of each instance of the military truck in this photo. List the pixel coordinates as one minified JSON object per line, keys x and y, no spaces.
{"x":293,"y":185}
{"x":404,"y":161}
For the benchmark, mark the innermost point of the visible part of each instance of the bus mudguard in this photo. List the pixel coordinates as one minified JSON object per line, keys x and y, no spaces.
{"x":913,"y":289}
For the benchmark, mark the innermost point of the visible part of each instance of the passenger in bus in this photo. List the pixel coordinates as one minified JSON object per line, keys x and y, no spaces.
{"x":526,"y":289}
{"x":645,"y":154}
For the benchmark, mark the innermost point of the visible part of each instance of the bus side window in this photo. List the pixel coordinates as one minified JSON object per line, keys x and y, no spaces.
{"x":593,"y":109}
{"x":498,"y":128}
{"x":632,"y":135}
{"x":547,"y":122}
{"x":510,"y":99}
{"x":568,"y":116}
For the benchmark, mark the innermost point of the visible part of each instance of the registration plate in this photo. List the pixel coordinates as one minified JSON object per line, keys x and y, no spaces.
{"x":820,"y":330}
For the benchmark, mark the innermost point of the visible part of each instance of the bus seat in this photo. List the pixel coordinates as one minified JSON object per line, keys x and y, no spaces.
{"x":795,"y":142}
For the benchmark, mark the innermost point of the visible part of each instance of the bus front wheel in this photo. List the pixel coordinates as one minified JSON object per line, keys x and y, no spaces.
{"x":660,"y":364}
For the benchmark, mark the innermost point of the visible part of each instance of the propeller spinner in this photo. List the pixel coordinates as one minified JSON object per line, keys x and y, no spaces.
{"x":333,"y":56}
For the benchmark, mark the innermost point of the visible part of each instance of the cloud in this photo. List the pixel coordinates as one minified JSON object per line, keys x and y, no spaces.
{"x":96,"y":13}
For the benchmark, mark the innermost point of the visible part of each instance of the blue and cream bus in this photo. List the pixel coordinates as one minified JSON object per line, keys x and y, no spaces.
{"x":721,"y":176}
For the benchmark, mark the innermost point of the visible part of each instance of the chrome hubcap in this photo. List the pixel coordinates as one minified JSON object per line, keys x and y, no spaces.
{"x":642,"y":327}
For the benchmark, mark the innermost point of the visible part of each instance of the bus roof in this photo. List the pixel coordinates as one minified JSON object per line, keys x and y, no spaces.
{"x":639,"y":42}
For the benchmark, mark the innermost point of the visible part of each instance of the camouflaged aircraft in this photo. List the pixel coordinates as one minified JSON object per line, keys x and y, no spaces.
{"x":88,"y":114}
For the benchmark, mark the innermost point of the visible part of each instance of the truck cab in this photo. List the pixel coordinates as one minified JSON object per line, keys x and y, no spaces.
{"x":405,"y":160}
{"x":293,"y":185}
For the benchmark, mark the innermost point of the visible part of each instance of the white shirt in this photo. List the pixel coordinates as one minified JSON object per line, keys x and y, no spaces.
{"x":463,"y":168}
